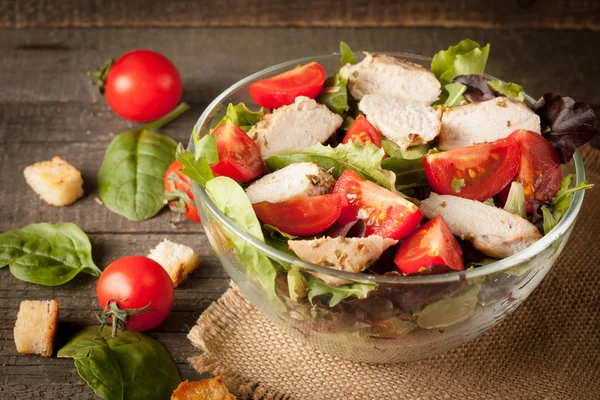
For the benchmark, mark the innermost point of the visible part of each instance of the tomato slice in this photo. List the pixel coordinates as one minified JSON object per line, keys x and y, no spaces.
{"x":428,"y":248}
{"x":385,"y":213}
{"x":283,"y":89}
{"x":303,"y":216}
{"x":475,"y":172}
{"x":362,"y":131}
{"x":539,"y":169}
{"x":239,"y":156}
{"x":178,"y":188}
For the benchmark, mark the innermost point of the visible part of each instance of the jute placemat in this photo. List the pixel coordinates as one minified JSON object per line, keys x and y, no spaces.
{"x":549,"y":348}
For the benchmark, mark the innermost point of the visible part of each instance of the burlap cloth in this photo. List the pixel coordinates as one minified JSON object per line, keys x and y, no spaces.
{"x":549,"y":348}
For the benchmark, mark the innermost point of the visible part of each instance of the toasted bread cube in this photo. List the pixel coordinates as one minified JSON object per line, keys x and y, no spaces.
{"x":35,"y":329}
{"x":213,"y":389}
{"x":57,"y":182}
{"x":178,"y":260}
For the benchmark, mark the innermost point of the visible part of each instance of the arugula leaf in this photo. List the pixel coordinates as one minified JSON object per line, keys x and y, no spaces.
{"x":316,"y":287}
{"x":131,"y":178}
{"x":455,"y":94}
{"x":515,"y":203}
{"x":364,"y":159}
{"x":347,"y":54}
{"x":207,"y":147}
{"x":571,"y":124}
{"x":47,"y":254}
{"x":130,"y":366}
{"x":231,"y":199}
{"x":335,"y":94}
{"x":508,"y":89}
{"x":561,"y":202}
{"x":467,"y":57}
{"x":197,"y":170}
{"x":241,"y":116}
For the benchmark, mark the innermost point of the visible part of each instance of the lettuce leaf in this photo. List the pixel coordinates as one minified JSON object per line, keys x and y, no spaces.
{"x":467,"y":57}
{"x":207,"y":147}
{"x":455,"y":94}
{"x":515,"y":203}
{"x":347,"y":54}
{"x":560,"y":203}
{"x":316,"y":287}
{"x":508,"y":89}
{"x":241,"y":116}
{"x":335,"y":94}
{"x":479,"y":88}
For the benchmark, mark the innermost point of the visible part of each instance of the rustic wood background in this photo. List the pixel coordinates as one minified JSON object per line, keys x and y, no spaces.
{"x":48,"y":107}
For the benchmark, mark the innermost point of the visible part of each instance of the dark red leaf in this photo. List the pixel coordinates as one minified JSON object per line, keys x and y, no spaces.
{"x":477,"y":88}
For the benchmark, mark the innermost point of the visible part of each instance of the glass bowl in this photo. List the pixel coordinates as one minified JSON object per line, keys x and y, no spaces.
{"x":404,"y":318}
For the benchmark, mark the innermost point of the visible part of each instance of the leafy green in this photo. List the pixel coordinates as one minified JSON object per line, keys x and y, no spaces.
{"x":411,"y":153}
{"x":347,"y":54}
{"x":455,"y":94}
{"x":515,"y":203}
{"x":457,"y":184}
{"x":47,"y":254}
{"x":449,"y":310}
{"x":277,"y":239}
{"x":129,"y":366}
{"x":467,"y":57}
{"x":296,"y":284}
{"x":197,"y":170}
{"x":407,"y":165}
{"x":364,"y":159}
{"x":130,"y":181}
{"x":241,"y":116}
{"x":231,"y":199}
{"x":207,"y":147}
{"x":335,"y":94}
{"x":561,"y":202}
{"x":316,"y":287}
{"x":510,"y":90}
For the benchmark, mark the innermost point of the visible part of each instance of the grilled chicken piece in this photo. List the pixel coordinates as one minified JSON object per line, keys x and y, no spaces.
{"x":301,"y":124}
{"x":493,"y":231}
{"x":344,"y":254}
{"x":381,"y":74}
{"x":291,"y":182}
{"x":485,"y":121}
{"x":404,"y":122}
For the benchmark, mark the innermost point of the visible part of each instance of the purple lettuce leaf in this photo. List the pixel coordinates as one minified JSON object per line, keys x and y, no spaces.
{"x":477,"y":88}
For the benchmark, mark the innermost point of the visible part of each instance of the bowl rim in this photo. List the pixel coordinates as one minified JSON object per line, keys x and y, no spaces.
{"x":454,"y":276}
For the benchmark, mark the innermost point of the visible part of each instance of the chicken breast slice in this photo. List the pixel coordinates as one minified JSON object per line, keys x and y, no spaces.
{"x":381,"y":74}
{"x":301,"y":124}
{"x":404,"y":122}
{"x":485,"y":121}
{"x":493,"y":231}
{"x":291,"y":182}
{"x":343,"y":254}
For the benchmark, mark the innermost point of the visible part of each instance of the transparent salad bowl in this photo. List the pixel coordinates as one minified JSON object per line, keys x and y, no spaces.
{"x":403,"y":318}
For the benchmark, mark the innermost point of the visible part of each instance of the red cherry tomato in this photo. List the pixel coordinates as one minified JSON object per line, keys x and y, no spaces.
{"x":178,"y":188}
{"x":142,"y":86}
{"x":303,"y":216}
{"x":385,"y":213}
{"x":484,"y":168}
{"x":362,"y":131}
{"x":283,"y":89}
{"x":432,"y":245}
{"x":539,"y":169}
{"x":133,"y":283}
{"x":239,"y":156}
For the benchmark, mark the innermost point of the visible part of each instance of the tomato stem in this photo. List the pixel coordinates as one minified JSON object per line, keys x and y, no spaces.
{"x":101,"y":74}
{"x":118,"y":316}
{"x":176,"y":112}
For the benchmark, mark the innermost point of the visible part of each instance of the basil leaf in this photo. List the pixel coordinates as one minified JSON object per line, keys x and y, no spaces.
{"x":129,"y":366}
{"x":131,"y":178}
{"x":316,"y":287}
{"x":335,"y":94}
{"x":347,"y":54}
{"x":197,"y":170}
{"x":241,"y":116}
{"x":46,"y":254}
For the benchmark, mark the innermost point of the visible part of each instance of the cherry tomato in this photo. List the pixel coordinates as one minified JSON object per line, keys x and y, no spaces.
{"x":178,"y":188}
{"x":303,"y":216}
{"x":283,"y":89}
{"x":362,"y":131}
{"x":432,"y":245}
{"x":539,"y":169}
{"x":133,"y":283}
{"x":385,"y":213}
{"x":142,"y":86}
{"x":475,"y":172}
{"x":239,"y":156}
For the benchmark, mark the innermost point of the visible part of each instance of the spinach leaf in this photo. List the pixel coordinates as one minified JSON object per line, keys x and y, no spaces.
{"x":46,"y":254}
{"x":130,"y":181}
{"x":561,"y":202}
{"x":316,"y":287}
{"x":129,"y":366}
{"x":241,"y":116}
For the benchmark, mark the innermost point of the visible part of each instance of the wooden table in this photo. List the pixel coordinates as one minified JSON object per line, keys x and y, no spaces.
{"x":48,"y":107}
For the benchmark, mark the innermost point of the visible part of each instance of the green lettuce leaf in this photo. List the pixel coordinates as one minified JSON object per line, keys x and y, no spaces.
{"x":364,"y":159}
{"x":455,"y":94}
{"x":407,"y":165}
{"x":207,"y":147}
{"x":316,"y":287}
{"x":561,"y":202}
{"x":241,"y":116}
{"x":508,"y":89}
{"x":515,"y":203}
{"x":347,"y":54}
{"x":467,"y":57}
{"x":296,"y":284}
{"x":335,"y":94}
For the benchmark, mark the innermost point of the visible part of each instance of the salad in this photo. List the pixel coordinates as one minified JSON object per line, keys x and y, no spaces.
{"x":388,"y":168}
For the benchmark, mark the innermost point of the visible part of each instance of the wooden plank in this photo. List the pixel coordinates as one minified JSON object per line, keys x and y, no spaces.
{"x":574,"y":14}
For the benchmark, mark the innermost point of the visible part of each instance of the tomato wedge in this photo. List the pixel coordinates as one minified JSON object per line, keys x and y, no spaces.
{"x":428,"y":249}
{"x":385,"y":213}
{"x":362,"y":131}
{"x":239,"y":156}
{"x":475,"y":172}
{"x":283,"y":89}
{"x":539,"y":169}
{"x":303,"y":216}
{"x":178,"y":189}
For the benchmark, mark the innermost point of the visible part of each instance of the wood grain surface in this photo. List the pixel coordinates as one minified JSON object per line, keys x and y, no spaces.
{"x":505,"y":14}
{"x":48,"y":107}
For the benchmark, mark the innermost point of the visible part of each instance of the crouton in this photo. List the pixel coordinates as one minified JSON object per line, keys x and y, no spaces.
{"x":57,"y":182}
{"x":178,"y":260}
{"x":35,"y":329}
{"x":208,"y":389}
